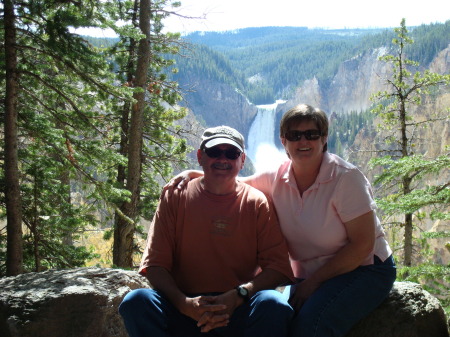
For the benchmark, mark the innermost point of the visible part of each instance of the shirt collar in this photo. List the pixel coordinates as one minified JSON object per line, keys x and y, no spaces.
{"x":326,"y":172}
{"x":327,"y":168}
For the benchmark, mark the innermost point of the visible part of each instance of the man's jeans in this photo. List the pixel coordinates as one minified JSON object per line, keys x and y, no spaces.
{"x":147,"y":313}
{"x":342,"y":301}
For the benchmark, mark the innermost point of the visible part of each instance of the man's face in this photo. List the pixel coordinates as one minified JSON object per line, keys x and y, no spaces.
{"x":220,"y":162}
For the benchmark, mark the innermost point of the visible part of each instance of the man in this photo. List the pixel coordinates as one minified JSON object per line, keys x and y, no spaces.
{"x":214,"y":254}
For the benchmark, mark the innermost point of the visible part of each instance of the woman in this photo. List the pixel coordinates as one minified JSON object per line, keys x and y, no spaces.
{"x":325,"y":205}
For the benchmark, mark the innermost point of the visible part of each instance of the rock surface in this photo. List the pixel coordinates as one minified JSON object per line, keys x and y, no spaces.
{"x":83,"y":302}
{"x":79,"y":302}
{"x":409,"y":311}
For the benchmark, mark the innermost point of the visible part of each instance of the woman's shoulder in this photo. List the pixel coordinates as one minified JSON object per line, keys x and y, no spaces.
{"x":344,"y":171}
{"x":340,"y":162}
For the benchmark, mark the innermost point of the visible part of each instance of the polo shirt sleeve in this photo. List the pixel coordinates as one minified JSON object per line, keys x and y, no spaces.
{"x":272,"y":247}
{"x":161,"y":236}
{"x":262,"y":181}
{"x":353,"y":195}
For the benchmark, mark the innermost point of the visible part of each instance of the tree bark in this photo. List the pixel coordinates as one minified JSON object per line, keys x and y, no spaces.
{"x":125,"y":228}
{"x":14,"y":254}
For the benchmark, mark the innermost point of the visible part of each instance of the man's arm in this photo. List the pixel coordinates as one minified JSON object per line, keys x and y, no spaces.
{"x":267,"y":279}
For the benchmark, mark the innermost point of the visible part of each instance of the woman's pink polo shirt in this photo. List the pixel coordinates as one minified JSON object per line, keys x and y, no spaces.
{"x":313,"y":224}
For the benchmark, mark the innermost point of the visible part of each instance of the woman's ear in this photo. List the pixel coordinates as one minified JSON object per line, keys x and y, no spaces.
{"x":325,"y":143}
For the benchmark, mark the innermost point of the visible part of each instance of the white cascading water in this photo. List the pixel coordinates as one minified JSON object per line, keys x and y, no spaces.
{"x":261,"y":144}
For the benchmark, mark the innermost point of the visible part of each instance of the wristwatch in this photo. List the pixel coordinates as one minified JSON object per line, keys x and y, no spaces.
{"x":243,"y":292}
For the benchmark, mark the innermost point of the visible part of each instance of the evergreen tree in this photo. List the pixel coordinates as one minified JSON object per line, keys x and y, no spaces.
{"x":403,"y":170}
{"x":61,"y":87}
{"x":13,"y":202}
{"x":148,"y":140}
{"x":66,"y":104}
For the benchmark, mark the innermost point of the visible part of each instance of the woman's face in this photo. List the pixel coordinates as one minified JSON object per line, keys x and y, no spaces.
{"x":300,"y":149}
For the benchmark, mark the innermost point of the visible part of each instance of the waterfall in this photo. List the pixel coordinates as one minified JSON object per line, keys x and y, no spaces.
{"x":261,"y":143}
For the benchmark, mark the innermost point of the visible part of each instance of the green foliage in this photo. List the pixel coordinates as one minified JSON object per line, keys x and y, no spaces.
{"x":269,"y":62}
{"x":162,"y":145}
{"x":405,"y":172}
{"x":418,"y":167}
{"x":429,"y":40}
{"x":64,"y":86}
{"x":344,"y":128}
{"x":69,"y":136}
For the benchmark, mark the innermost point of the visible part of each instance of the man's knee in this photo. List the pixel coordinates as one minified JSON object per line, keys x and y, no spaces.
{"x":273,"y":302}
{"x":135,"y":299}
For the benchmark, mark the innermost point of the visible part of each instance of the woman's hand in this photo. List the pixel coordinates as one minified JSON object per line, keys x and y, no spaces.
{"x":302,"y":292}
{"x":180,"y":181}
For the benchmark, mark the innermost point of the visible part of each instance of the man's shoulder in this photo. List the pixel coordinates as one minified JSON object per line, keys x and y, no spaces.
{"x":175,"y":195}
{"x":252,"y":192}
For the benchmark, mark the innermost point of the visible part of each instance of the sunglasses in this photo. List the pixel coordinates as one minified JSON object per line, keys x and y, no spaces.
{"x":295,"y":135}
{"x":215,"y":152}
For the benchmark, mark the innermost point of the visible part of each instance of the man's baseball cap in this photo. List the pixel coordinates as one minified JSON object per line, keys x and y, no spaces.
{"x":222,"y":135}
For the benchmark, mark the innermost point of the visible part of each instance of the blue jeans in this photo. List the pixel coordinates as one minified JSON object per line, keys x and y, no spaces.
{"x":339,"y":303}
{"x":147,"y":312}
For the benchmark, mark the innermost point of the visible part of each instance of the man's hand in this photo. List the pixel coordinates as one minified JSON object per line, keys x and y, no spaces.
{"x":209,"y":320}
{"x":206,"y":311}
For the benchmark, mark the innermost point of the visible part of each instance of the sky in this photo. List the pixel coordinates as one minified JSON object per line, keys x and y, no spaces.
{"x":232,"y":14}
{"x":222,"y":15}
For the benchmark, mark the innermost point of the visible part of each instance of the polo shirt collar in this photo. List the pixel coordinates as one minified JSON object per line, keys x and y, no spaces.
{"x":326,"y":172}
{"x":327,"y":169}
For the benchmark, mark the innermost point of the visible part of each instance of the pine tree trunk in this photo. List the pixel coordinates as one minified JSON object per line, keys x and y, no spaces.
{"x":14,"y":255}
{"x":408,"y":240}
{"x":125,"y":229}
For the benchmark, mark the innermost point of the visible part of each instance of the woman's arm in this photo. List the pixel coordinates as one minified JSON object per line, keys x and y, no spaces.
{"x":181,"y":180}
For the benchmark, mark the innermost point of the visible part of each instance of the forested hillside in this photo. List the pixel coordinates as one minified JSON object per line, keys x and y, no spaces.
{"x":268,"y":63}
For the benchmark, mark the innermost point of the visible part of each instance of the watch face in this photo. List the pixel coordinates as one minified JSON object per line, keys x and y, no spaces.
{"x":243,"y":291}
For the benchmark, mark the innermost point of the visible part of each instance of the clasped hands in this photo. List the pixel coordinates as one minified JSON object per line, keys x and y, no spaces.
{"x":211,"y":312}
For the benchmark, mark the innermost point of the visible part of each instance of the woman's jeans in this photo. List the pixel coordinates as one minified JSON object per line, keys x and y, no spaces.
{"x":147,"y":313}
{"x":339,"y":303}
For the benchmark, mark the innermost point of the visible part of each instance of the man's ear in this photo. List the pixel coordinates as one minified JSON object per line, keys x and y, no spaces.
{"x":243,"y":160}
{"x":199,"y":156}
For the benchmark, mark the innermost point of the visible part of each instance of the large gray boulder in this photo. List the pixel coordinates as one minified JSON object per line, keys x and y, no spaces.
{"x":409,"y":311}
{"x":79,"y":302}
{"x":83,"y":302}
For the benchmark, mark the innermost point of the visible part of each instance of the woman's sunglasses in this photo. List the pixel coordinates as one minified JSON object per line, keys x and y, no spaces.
{"x":295,"y":135}
{"x":215,"y":152}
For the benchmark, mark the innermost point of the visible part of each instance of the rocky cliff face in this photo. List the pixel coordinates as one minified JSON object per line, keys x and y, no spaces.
{"x":215,"y":103}
{"x":430,"y":139}
{"x":351,"y":87}
{"x":355,"y":81}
